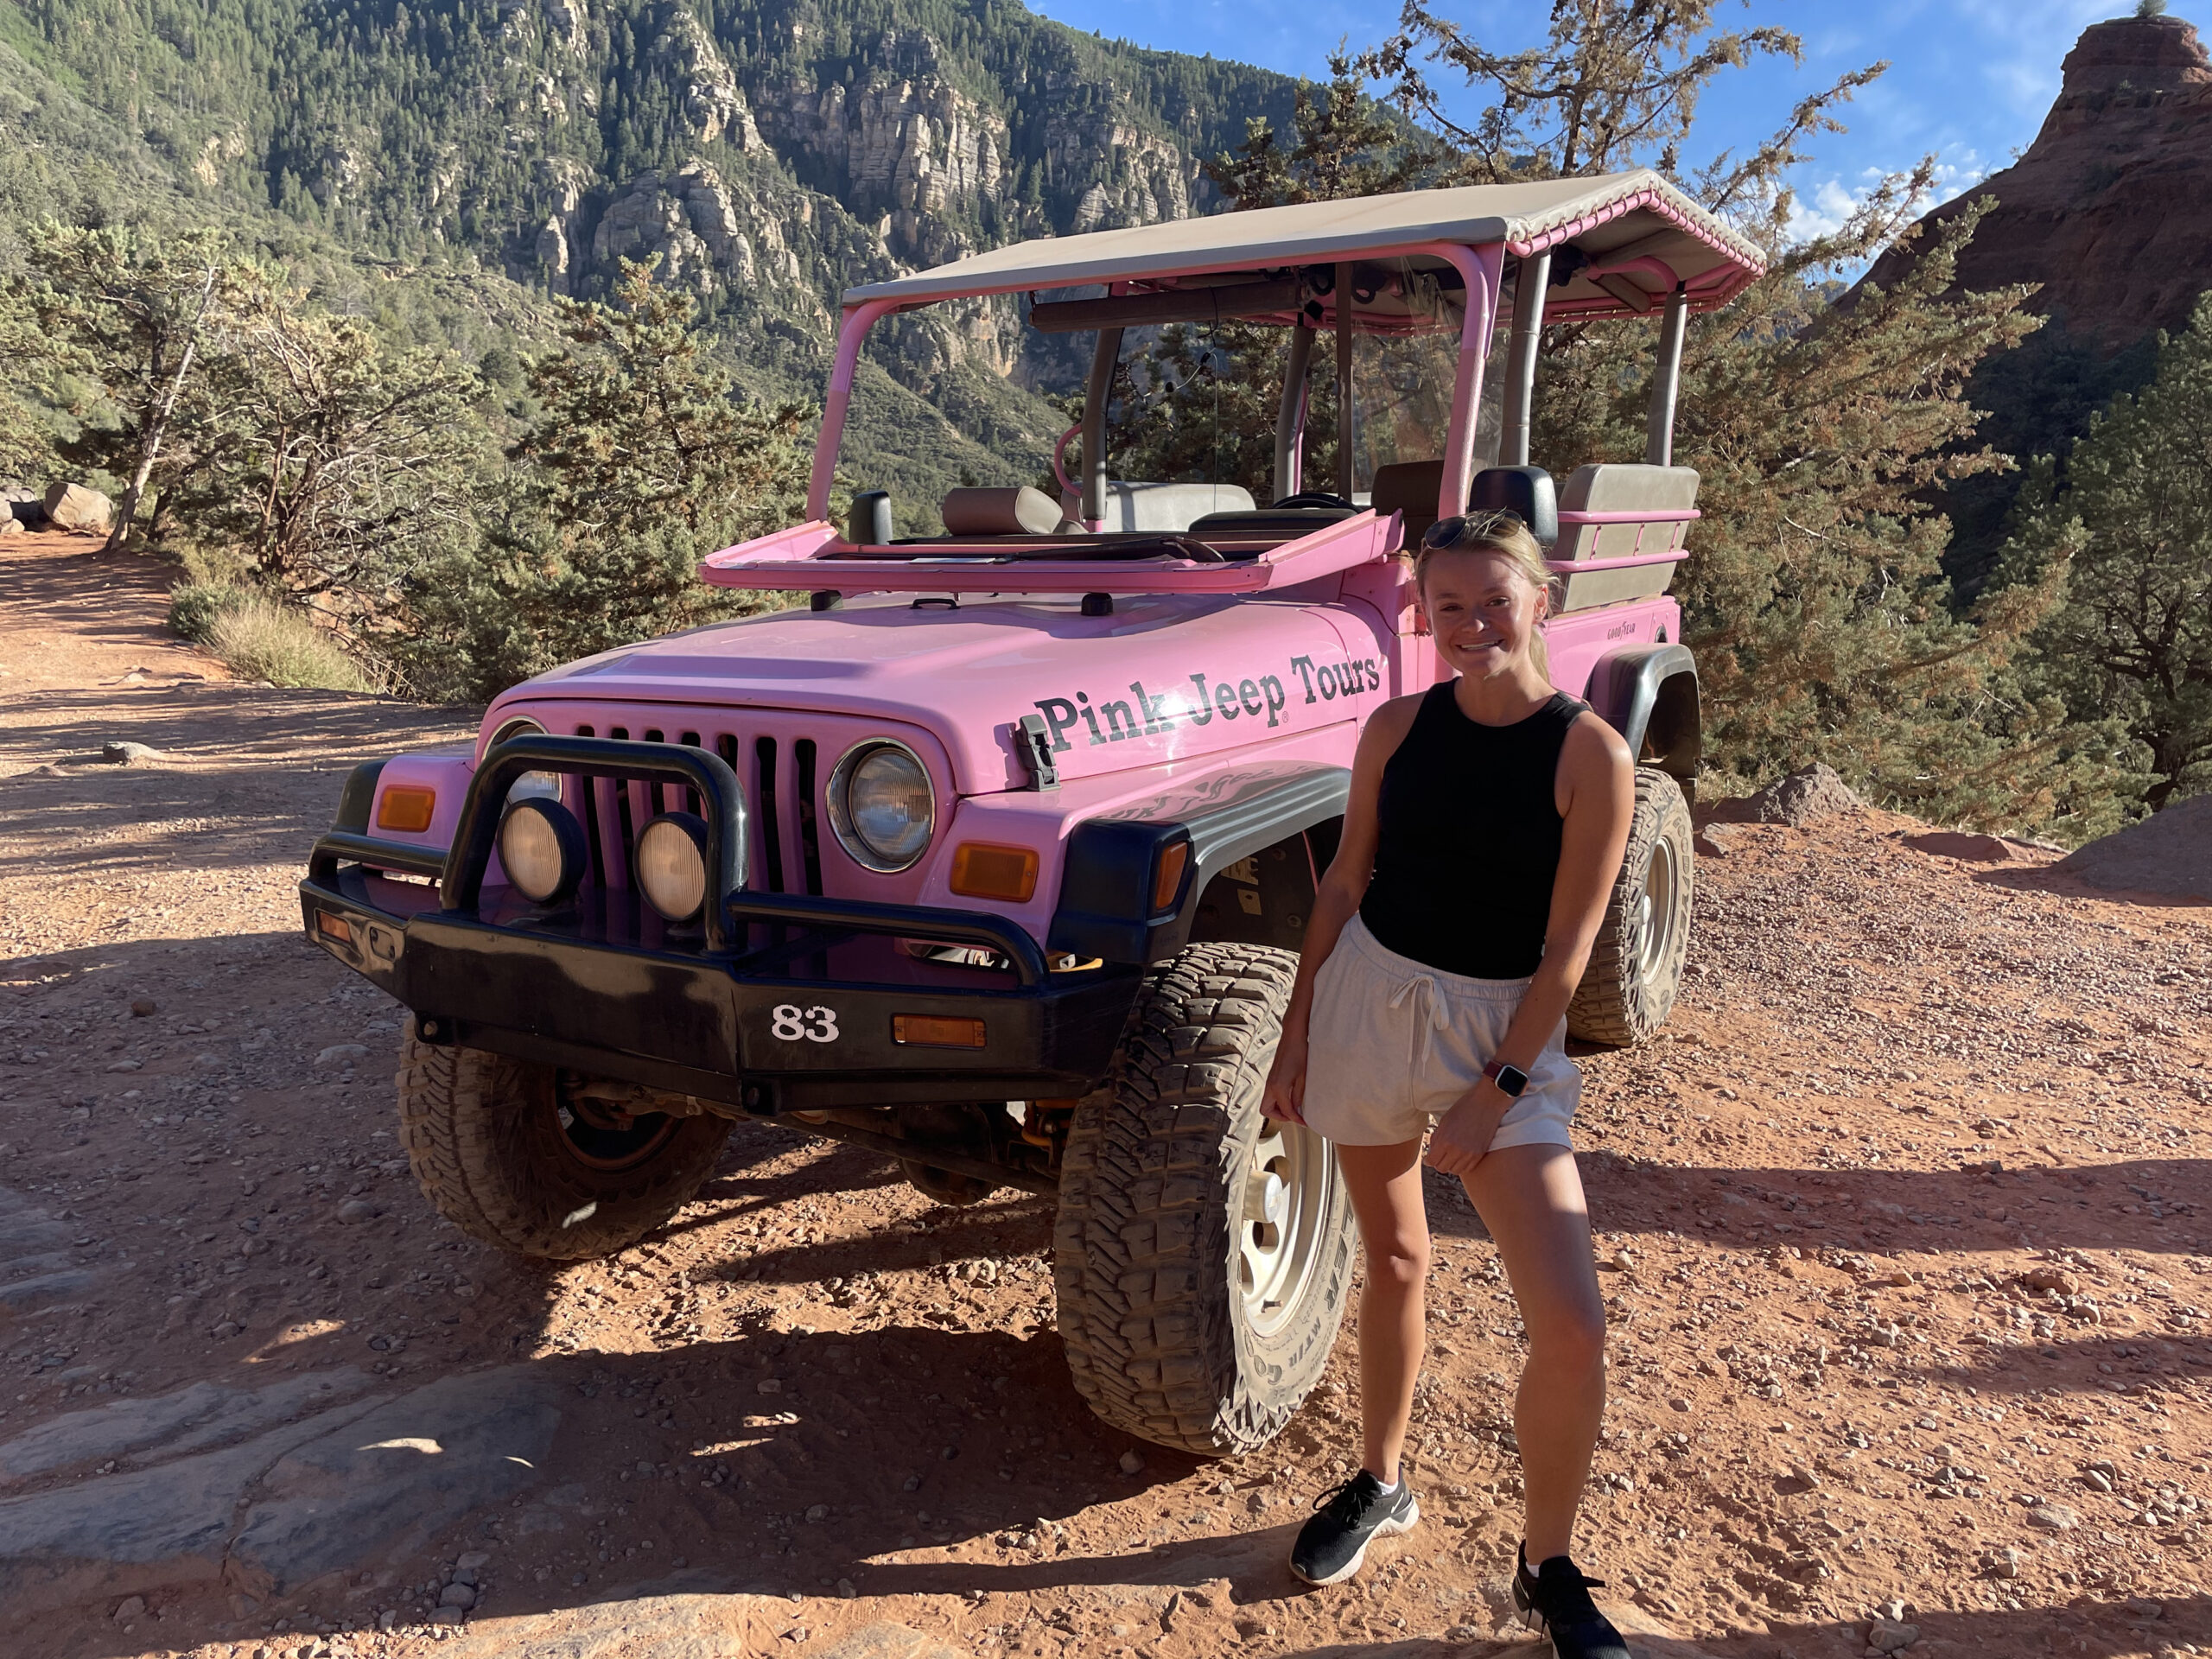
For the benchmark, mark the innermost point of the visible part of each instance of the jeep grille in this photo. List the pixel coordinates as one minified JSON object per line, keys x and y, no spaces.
{"x":781,"y":777}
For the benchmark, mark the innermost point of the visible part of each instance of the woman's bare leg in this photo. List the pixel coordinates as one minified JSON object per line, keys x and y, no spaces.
{"x":1530,"y":1198}
{"x":1386,"y":1198}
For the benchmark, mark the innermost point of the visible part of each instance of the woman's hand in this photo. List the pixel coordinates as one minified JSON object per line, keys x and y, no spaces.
{"x":1285,"y":1097}
{"x":1462,"y":1137}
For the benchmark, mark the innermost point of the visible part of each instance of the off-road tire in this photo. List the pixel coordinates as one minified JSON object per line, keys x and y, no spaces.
{"x":1628,"y":987}
{"x":1160,"y":1337}
{"x":488,"y":1149}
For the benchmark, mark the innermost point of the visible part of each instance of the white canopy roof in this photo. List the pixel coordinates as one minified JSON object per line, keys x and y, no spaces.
{"x":1634,"y":228}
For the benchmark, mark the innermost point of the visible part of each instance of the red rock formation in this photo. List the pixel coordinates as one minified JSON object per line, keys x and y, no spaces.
{"x":2110,"y":209}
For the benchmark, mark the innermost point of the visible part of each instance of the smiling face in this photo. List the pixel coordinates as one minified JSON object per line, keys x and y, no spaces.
{"x":1482,"y":609}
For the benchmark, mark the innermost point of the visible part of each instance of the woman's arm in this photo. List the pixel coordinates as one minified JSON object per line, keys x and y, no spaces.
{"x":1342,"y":885}
{"x":1597,"y":788}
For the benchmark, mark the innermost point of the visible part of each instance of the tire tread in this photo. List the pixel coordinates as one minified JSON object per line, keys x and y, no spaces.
{"x":1141,"y":1245}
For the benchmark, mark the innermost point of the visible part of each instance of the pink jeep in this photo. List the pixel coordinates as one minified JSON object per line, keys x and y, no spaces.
{"x":993,"y":859}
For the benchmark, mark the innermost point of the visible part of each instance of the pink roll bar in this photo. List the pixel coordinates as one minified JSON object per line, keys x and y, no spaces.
{"x":859,"y":318}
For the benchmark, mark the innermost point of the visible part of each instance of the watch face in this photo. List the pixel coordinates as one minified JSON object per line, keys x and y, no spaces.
{"x":1512,"y":1079}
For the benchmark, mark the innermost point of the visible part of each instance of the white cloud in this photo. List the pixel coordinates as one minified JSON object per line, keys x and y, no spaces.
{"x":1822,"y":207}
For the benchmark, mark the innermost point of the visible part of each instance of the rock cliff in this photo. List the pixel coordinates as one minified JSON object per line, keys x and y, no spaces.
{"x":795,"y":171}
{"x":2110,"y":208}
{"x":706,"y":233}
{"x":898,"y":135}
{"x":712,"y":106}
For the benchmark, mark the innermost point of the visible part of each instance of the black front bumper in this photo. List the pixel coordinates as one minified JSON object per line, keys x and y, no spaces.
{"x":777,"y":1003}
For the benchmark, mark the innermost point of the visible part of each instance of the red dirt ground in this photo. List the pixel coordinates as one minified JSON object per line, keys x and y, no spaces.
{"x":1907,"y":1222}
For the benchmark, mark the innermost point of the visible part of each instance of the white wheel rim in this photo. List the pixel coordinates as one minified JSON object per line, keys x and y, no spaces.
{"x":1283,"y":1203}
{"x":1655,"y":913}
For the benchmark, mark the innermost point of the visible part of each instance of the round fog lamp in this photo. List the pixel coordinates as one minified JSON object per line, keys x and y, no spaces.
{"x":672,"y":865}
{"x":542,"y":849}
{"x":880,"y":805}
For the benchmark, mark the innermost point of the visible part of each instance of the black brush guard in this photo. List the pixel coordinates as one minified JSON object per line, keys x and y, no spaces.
{"x":770,"y":1003}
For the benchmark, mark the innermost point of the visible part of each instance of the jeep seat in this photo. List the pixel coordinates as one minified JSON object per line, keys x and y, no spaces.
{"x":1162,"y":507}
{"x":1623,"y":489}
{"x":1408,"y":487}
{"x":1020,"y":511}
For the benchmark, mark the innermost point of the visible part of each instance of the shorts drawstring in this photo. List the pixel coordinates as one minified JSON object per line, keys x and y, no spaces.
{"x":1429,"y":1016}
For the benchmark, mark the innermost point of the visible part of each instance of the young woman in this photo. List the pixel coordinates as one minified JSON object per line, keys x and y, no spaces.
{"x":1487,"y":821}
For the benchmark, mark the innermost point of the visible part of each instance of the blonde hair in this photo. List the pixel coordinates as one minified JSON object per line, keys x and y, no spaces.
{"x":1506,"y":535}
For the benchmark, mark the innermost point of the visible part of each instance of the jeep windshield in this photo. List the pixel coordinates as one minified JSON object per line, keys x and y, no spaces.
{"x":1203,"y":402}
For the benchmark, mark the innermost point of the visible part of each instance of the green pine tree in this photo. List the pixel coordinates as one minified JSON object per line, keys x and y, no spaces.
{"x":642,"y":460}
{"x":2133,"y":640}
{"x":125,"y":311}
{"x":336,"y":467}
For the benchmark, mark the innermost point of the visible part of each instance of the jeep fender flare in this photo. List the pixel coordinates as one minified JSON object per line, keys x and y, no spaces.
{"x":1648,"y":694}
{"x":1114,"y":864}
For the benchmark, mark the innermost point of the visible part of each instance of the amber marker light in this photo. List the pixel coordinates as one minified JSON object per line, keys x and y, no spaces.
{"x":407,"y":808}
{"x":936,"y":1031}
{"x":981,"y":870}
{"x":1169,"y":878}
{"x":335,"y":927}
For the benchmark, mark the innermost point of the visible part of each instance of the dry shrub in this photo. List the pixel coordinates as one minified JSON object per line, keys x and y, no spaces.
{"x":262,"y":639}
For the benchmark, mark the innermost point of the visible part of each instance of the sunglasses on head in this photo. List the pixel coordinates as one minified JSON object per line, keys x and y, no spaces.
{"x":1449,"y":532}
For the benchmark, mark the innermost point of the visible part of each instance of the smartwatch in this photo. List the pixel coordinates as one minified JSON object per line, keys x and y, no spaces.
{"x":1511,"y":1079}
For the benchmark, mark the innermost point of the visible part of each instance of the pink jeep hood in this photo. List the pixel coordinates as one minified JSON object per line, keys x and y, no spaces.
{"x":1163,"y":678}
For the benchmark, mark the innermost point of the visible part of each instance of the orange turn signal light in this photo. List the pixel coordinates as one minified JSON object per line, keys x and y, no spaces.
{"x":936,"y":1031}
{"x":407,"y":808}
{"x":334,"y":927}
{"x":982,"y":870}
{"x":1167,"y":880}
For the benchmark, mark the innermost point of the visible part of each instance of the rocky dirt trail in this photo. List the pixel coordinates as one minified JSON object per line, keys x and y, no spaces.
{"x":1907,"y":1221}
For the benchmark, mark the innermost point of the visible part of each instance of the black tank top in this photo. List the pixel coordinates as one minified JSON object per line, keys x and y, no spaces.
{"x":1469,"y":839}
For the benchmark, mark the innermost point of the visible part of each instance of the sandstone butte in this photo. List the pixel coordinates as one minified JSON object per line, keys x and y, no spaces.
{"x":2110,"y":209}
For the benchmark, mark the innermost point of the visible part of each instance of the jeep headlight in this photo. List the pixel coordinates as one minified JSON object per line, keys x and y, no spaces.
{"x":519,"y":726}
{"x":544,"y":783}
{"x":880,"y":805}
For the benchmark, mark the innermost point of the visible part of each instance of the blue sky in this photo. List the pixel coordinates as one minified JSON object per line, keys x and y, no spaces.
{"x":1969,"y":80}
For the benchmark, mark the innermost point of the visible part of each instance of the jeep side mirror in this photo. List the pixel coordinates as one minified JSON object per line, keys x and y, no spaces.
{"x":1527,"y":491}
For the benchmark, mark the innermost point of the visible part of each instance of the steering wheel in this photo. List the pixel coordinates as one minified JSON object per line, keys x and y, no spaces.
{"x":1315,"y":499}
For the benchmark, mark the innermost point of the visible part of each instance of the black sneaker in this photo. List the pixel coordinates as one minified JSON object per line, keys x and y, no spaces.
{"x":1332,"y":1546}
{"x":1554,"y":1601}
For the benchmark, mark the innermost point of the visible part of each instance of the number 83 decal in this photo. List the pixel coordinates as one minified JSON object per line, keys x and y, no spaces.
{"x":790,"y":1024}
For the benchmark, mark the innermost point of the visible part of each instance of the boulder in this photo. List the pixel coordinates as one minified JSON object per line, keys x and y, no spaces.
{"x":12,"y":526}
{"x":2170,"y":852}
{"x":80,"y":507}
{"x":1954,"y":843}
{"x":1807,"y":794}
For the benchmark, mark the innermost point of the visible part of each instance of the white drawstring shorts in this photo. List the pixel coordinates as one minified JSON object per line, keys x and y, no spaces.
{"x":1394,"y":1044}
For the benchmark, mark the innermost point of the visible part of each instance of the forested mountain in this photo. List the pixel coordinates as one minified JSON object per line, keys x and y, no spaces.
{"x":771,"y":152}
